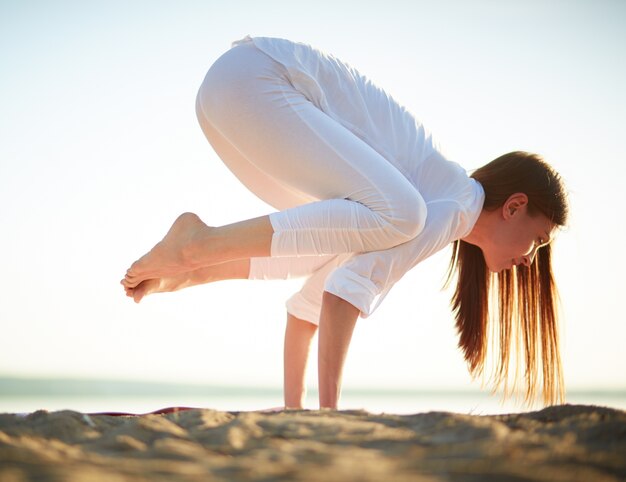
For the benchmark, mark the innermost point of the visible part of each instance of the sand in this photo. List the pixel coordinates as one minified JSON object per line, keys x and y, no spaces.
{"x":560,"y":443}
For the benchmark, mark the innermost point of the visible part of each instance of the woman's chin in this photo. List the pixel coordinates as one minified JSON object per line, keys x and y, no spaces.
{"x":500,"y":267}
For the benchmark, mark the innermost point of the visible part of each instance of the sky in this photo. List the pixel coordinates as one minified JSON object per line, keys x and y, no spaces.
{"x":100,"y":151}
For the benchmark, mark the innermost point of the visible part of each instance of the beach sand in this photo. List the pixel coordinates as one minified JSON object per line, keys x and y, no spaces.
{"x":560,"y":443}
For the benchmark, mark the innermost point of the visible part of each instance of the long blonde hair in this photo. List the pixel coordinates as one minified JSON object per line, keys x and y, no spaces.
{"x":526,"y":298}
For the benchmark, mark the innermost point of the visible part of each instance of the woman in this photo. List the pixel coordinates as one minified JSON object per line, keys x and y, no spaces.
{"x":363,"y":195}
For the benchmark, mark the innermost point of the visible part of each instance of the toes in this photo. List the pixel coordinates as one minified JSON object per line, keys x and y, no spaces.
{"x":139,"y":293}
{"x":133,"y":271}
{"x":132,"y":280}
{"x":126,"y":283}
{"x":132,"y":283}
{"x":128,"y":288}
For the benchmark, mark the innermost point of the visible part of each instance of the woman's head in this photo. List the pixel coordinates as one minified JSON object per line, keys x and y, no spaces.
{"x":507,"y":260}
{"x":526,"y":202}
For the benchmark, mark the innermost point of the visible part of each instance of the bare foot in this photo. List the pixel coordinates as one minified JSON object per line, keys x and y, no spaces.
{"x":149,"y":286}
{"x":171,"y":255}
{"x":238,"y":269}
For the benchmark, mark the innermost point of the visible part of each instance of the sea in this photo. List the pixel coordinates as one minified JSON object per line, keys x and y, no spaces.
{"x":27,"y":395}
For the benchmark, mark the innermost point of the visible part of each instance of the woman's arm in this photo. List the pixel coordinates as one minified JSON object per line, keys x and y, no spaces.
{"x":298,"y":336}
{"x":337,"y":321}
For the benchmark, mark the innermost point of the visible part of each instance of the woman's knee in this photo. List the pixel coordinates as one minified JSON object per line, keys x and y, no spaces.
{"x":408,"y":217}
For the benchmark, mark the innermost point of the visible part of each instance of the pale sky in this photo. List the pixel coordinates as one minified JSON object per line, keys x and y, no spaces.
{"x":100,"y":151}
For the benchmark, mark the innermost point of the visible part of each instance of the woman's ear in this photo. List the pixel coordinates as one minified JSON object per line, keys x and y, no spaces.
{"x":513,"y":204}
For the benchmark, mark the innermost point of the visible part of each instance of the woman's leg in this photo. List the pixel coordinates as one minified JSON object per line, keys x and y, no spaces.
{"x":190,"y":244}
{"x":253,"y":269}
{"x":238,"y":269}
{"x":277,"y":141}
{"x":298,"y":337}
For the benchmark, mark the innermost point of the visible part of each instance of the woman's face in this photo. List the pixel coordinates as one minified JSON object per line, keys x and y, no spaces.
{"x":516,"y":238}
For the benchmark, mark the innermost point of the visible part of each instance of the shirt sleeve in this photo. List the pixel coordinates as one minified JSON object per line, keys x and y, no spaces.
{"x":364,"y":279}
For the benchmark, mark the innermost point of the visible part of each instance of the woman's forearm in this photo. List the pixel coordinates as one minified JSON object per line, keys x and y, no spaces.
{"x":337,"y":322}
{"x":298,"y":336}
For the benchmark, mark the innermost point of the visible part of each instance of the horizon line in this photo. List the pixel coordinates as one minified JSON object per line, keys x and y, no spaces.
{"x":18,"y":384}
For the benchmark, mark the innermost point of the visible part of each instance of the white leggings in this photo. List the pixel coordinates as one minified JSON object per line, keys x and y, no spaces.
{"x":336,"y":193}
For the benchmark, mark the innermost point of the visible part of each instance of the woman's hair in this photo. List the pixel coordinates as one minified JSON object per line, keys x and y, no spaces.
{"x":520,"y":303}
